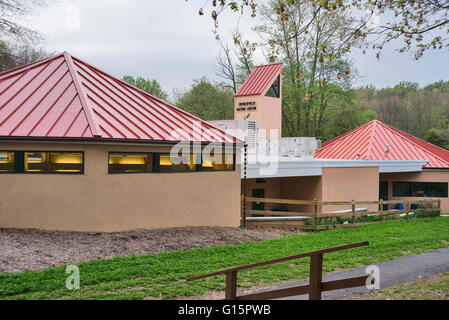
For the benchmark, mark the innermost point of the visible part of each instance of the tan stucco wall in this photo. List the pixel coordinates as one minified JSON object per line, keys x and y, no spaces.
{"x":268,"y":114}
{"x":424,"y":176}
{"x":346,"y":184}
{"x":335,"y":184}
{"x":300,"y":188}
{"x":98,"y":201}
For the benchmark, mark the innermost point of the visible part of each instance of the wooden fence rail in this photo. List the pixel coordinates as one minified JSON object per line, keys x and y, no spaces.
{"x":315,"y":287}
{"x":316,"y":215}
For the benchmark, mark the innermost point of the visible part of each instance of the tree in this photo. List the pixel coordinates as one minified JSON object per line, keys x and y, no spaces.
{"x":151,"y":86}
{"x":208,"y":101}
{"x":316,"y":74}
{"x":19,"y":44}
{"x":420,"y":25}
{"x":225,"y":67}
{"x":12,"y":56}
{"x":436,"y":139}
{"x":7,"y":59}
{"x":11,"y":21}
{"x":235,"y":66}
{"x":422,"y":112}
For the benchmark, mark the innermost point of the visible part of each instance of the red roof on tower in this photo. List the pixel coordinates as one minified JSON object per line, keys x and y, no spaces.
{"x":259,"y":80}
{"x":372,"y":140}
{"x":64,"y":97}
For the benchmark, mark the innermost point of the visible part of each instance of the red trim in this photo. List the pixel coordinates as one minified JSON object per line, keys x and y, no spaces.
{"x":88,"y":111}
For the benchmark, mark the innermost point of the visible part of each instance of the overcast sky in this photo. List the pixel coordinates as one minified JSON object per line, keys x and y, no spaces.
{"x":169,"y":41}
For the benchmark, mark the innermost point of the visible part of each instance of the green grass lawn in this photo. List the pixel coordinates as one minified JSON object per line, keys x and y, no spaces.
{"x":161,"y":275}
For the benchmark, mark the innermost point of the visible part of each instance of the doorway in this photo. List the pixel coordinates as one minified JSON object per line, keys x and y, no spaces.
{"x":258,"y":193}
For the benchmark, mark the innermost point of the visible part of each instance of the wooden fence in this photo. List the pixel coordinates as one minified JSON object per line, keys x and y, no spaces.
{"x":315,"y":287}
{"x":313,"y":220}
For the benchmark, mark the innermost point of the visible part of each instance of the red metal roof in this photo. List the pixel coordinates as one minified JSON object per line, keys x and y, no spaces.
{"x":64,"y":97}
{"x":369,"y":142}
{"x":259,"y":80}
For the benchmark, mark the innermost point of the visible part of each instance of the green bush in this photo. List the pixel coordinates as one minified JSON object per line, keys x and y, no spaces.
{"x":372,"y":218}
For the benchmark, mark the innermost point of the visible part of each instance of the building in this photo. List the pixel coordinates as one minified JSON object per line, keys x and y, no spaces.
{"x":369,"y":163}
{"x":259,"y":99}
{"x":377,"y":141}
{"x":83,"y":151}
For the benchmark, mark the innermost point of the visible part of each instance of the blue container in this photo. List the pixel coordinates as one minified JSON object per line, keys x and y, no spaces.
{"x":400,"y":206}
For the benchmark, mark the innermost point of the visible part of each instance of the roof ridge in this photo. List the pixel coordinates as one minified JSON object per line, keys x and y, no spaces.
{"x":22,"y":68}
{"x":371,"y":142}
{"x":400,"y":133}
{"x":88,"y":111}
{"x":268,"y":64}
{"x":405,"y":146}
{"x":338,"y":138}
{"x":153,"y":97}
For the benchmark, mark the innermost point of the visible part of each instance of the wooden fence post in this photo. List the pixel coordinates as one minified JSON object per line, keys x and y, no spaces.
{"x":407,"y":208}
{"x":381,"y":209}
{"x":353,"y":211}
{"x":231,"y":285}
{"x":316,"y":276}
{"x":315,"y":217}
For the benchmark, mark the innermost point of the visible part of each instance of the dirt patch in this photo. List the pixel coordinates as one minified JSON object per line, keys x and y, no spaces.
{"x":22,"y":250}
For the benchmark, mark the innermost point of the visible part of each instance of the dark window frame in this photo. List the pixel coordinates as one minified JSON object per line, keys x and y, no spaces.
{"x":19,"y":162}
{"x":156,"y":163}
{"x":276,"y":86}
{"x":428,"y":186}
{"x":130,"y":152}
{"x":14,"y":163}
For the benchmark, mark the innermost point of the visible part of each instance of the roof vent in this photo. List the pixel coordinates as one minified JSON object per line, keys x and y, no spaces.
{"x":387,"y":149}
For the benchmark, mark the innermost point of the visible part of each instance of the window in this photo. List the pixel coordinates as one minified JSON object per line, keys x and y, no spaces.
{"x":401,"y":189}
{"x":57,"y":162}
{"x":130,"y":162}
{"x":177,"y":163}
{"x":6,"y":161}
{"x":274,"y":90}
{"x":218,"y":162}
{"x":135,"y":162}
{"x":438,"y":190}
{"x":420,"y":189}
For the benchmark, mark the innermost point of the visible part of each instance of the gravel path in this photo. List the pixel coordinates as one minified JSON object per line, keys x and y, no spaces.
{"x":393,"y":272}
{"x":22,"y":250}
